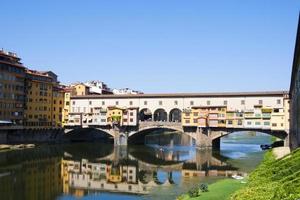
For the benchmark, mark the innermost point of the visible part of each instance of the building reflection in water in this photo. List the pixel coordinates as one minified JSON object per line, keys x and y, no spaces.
{"x":46,"y":173}
{"x":135,"y":172}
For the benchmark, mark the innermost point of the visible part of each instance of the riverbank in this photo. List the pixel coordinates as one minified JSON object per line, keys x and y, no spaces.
{"x":276,"y":178}
{"x":273,"y":179}
{"x":222,"y":189}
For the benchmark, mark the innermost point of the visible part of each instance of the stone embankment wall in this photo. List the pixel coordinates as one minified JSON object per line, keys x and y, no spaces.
{"x":32,"y":136}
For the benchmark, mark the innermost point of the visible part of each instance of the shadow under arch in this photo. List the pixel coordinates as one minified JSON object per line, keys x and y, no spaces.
{"x":175,"y":115}
{"x":216,"y":136}
{"x":145,"y":114}
{"x":139,"y":137}
{"x":89,"y":135}
{"x":160,"y":114}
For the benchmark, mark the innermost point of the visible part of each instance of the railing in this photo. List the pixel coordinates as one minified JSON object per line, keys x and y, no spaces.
{"x":158,"y":123}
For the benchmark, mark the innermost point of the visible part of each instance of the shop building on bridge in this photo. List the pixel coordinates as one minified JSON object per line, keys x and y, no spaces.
{"x":256,"y":110}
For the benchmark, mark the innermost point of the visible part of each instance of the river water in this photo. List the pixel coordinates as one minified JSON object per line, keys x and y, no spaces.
{"x":101,"y":171}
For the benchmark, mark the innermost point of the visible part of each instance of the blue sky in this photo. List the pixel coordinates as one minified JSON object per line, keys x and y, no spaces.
{"x":157,"y":46}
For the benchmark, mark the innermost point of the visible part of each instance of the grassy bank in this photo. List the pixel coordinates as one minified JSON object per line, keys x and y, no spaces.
{"x":273,"y":179}
{"x":219,"y":190}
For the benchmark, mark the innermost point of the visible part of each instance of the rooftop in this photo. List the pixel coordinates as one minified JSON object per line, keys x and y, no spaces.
{"x":186,"y":95}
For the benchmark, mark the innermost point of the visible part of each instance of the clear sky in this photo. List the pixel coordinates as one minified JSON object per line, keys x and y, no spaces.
{"x":157,"y":45}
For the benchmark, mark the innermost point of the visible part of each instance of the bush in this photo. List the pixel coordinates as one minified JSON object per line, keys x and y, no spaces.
{"x":203,"y":187}
{"x":194,"y":192}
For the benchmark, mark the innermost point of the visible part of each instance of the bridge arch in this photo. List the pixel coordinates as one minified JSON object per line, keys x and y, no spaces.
{"x":145,"y":114}
{"x":217,"y":135}
{"x":138,"y":137}
{"x":175,"y":115}
{"x":88,"y":134}
{"x":160,"y":115}
{"x":222,"y":133}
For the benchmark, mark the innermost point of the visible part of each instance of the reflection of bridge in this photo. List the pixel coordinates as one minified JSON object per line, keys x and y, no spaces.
{"x":136,"y":176}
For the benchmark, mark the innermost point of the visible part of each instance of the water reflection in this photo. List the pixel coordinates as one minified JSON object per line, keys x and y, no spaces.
{"x":80,"y":169}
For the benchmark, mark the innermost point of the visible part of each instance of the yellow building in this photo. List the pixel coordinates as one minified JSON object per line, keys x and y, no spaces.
{"x":114,"y":115}
{"x":286,"y":105}
{"x":67,"y":106}
{"x":57,"y":106}
{"x":80,"y":89}
{"x":38,"y":103}
{"x":114,"y":173}
{"x":44,"y":100}
{"x":186,"y":118}
{"x":278,"y":119}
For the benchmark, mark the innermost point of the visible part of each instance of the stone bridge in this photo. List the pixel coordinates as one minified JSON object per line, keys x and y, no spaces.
{"x":201,"y":137}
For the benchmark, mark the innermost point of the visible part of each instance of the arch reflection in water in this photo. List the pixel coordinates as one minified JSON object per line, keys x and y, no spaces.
{"x":139,"y":170}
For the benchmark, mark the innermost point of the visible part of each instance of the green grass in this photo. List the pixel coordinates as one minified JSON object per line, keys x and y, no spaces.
{"x":220,"y":190}
{"x":273,"y":179}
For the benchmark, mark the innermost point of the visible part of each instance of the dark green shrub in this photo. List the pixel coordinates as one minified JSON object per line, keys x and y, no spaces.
{"x":194,"y":192}
{"x":203,"y":187}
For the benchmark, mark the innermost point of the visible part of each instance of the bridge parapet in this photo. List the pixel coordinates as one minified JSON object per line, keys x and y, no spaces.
{"x":146,"y":124}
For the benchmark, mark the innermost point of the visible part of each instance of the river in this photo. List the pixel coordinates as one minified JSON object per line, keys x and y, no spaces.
{"x":101,"y":171}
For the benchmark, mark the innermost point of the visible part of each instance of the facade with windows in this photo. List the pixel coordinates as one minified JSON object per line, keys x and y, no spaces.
{"x":44,"y":101}
{"x":12,"y":75}
{"x":235,"y":110}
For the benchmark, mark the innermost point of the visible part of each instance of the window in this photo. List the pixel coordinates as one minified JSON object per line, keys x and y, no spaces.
{"x":230,"y":122}
{"x":260,"y":102}
{"x":195,"y":114}
{"x":117,"y":103}
{"x":267,"y":123}
{"x":208,"y":103}
{"x":242,"y":102}
{"x":160,"y":103}
{"x":90,"y":102}
{"x":131,"y":113}
{"x":187,"y":121}
{"x":257,"y":123}
{"x":175,"y":103}
{"x":73,"y":102}
{"x":249,"y":123}
{"x":276,"y":110}
{"x":225,"y":103}
{"x":191,"y":103}
{"x":103,"y":103}
{"x":278,"y":101}
{"x":131,"y":120}
{"x":195,"y":120}
{"x":130,"y":103}
{"x":274,"y":124}
{"x":145,"y":103}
